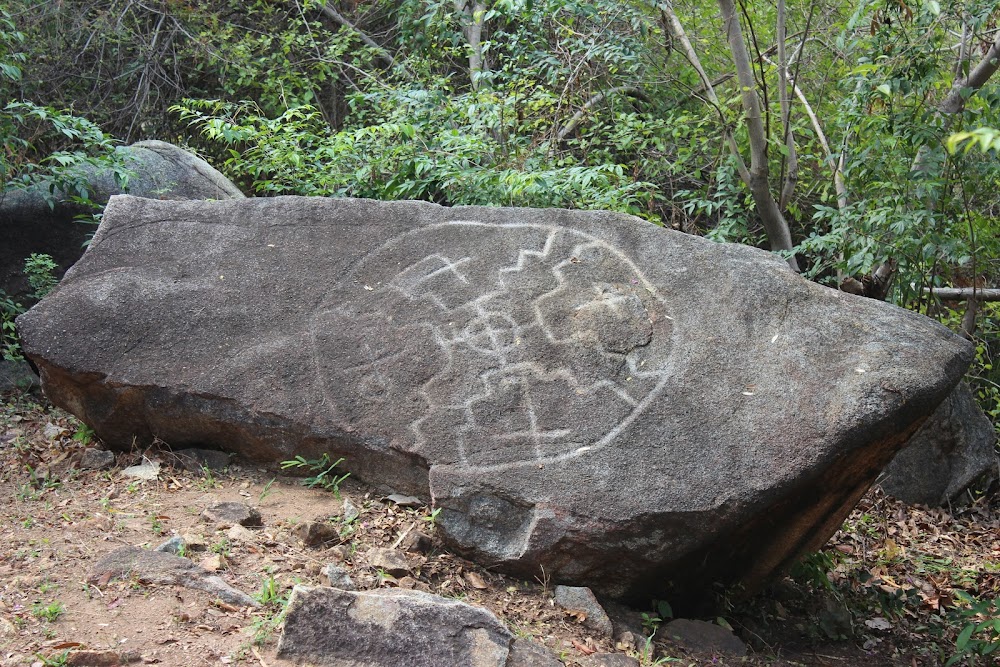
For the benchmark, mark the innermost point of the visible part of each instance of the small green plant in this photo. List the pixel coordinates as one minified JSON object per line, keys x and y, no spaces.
{"x":980,"y":636}
{"x":83,"y":434}
{"x":156,"y":524}
{"x":323,"y":472}
{"x":432,"y":517}
{"x":55,"y":660}
{"x":40,"y":270}
{"x":207,"y":481}
{"x":27,"y":492}
{"x":651,"y":621}
{"x":812,"y":569}
{"x":270,"y":592}
{"x":48,"y":612}
{"x":266,"y":491}
{"x":10,"y":346}
{"x":221,"y":547}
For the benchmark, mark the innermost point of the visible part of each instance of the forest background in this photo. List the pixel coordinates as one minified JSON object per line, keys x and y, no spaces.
{"x":853,"y":137}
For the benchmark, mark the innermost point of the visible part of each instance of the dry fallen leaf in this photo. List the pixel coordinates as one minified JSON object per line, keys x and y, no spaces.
{"x":475,"y":580}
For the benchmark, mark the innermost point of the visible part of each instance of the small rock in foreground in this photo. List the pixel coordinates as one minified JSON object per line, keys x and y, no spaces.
{"x":581,"y":601}
{"x":388,"y":628}
{"x":162,"y":568}
{"x":97,"y":459}
{"x":232,"y":514}
{"x":703,"y":637}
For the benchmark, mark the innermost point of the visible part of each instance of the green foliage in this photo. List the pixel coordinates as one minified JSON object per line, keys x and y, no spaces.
{"x":813,"y":568}
{"x":270,"y":593}
{"x":980,"y":635}
{"x":48,"y":612}
{"x":322,"y":470}
{"x":10,"y":347}
{"x":985,"y":138}
{"x":40,"y":268}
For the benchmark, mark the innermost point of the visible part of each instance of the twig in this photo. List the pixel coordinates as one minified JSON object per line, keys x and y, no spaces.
{"x":257,"y":655}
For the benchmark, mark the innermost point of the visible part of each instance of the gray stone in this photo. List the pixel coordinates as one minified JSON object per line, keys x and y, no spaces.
{"x":389,"y":628}
{"x":393,"y":561}
{"x":232,"y":513}
{"x":525,"y":652}
{"x":316,"y":533}
{"x":627,"y":408}
{"x":97,"y":459}
{"x":338,"y":577}
{"x":607,"y":660}
{"x":175,"y":545}
{"x":581,"y":600}
{"x":101,"y":658}
{"x":148,"y":470}
{"x":954,"y":450}
{"x":196,"y":460}
{"x":28,"y":224}
{"x":703,"y":637}
{"x":159,"y":567}
{"x":417,"y":542}
{"x":350,"y":511}
{"x":17,"y":376}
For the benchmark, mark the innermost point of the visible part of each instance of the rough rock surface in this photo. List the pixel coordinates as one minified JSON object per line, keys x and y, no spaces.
{"x":158,"y":171}
{"x":703,"y":637}
{"x":607,"y":660}
{"x":388,"y":628}
{"x":631,"y":409}
{"x":232,"y":514}
{"x":160,"y":567}
{"x":951,"y":451}
{"x":581,"y":600}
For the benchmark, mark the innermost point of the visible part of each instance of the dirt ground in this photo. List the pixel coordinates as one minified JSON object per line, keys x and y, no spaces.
{"x":57,"y":520}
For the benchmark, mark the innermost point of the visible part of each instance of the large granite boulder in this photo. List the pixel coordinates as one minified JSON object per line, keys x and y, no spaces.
{"x":36,"y":221}
{"x":952,"y":451}
{"x":585,"y":396}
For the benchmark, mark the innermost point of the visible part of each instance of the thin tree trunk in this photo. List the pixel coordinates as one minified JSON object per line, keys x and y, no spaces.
{"x":674,"y":24}
{"x":473,"y":14}
{"x":963,"y":87}
{"x":792,"y":175}
{"x":774,"y":222}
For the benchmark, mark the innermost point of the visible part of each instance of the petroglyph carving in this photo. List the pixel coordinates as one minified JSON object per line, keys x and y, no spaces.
{"x":503,"y":346}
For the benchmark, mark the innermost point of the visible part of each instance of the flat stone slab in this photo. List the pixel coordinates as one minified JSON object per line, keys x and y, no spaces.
{"x":164,"y":568}
{"x":388,"y":628}
{"x":627,"y":408}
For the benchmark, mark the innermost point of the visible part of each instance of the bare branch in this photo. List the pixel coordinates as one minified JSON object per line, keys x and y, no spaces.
{"x":339,"y":19}
{"x":836,"y":164}
{"x":977,"y":78}
{"x":792,"y":175}
{"x":578,"y":117}
{"x":965,"y":293}
{"x":674,"y":24}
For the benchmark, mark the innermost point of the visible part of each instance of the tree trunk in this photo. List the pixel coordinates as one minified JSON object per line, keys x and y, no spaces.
{"x":774,"y":222}
{"x":473,"y":13}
